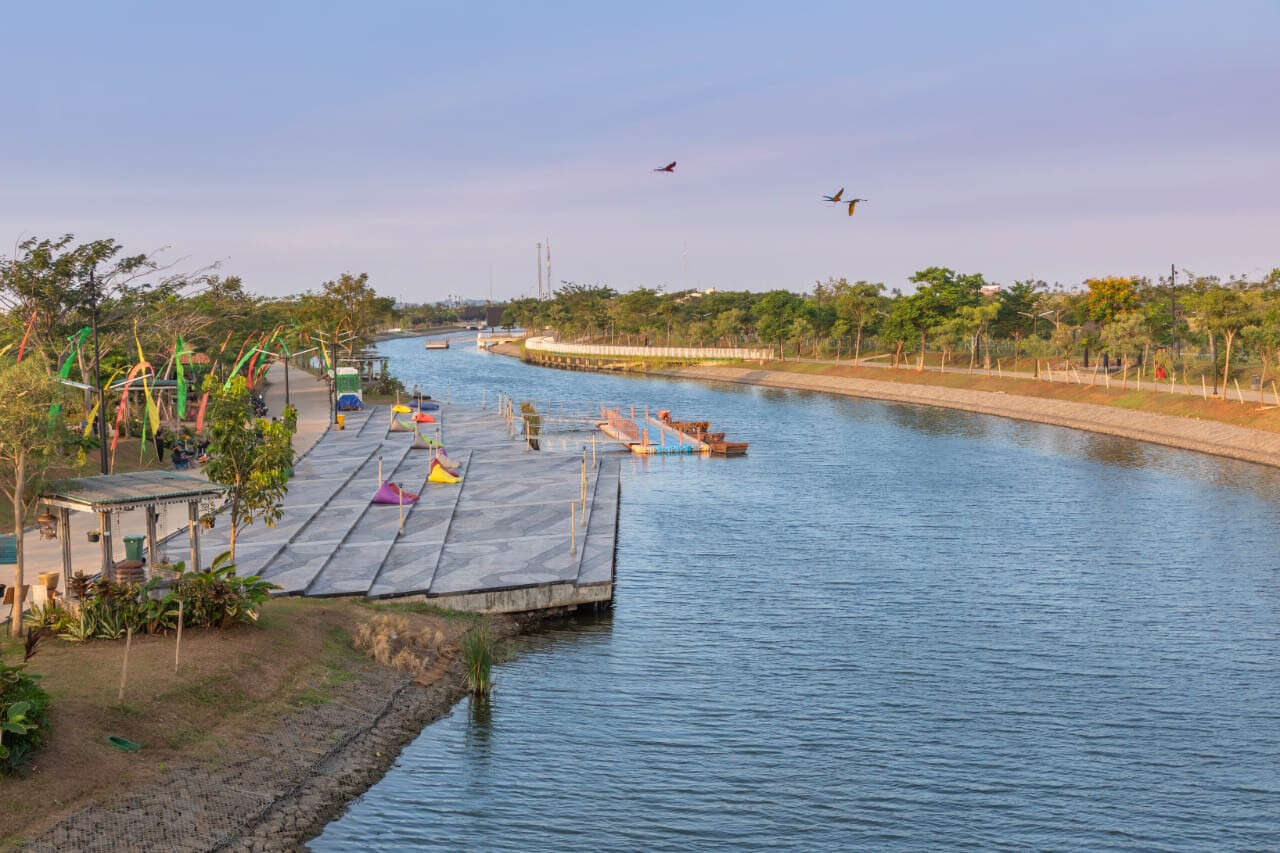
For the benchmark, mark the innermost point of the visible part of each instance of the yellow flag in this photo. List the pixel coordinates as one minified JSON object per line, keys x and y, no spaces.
{"x":153,"y":413}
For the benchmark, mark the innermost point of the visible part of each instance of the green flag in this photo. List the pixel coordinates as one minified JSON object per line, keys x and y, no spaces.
{"x":182,"y":380}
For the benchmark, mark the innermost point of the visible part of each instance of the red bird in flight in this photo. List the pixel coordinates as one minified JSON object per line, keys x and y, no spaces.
{"x":670,"y":167}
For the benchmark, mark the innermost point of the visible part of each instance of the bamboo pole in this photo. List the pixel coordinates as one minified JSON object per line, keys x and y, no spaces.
{"x":177,"y":648}
{"x":1275,"y":392}
{"x":1239,"y":393}
{"x":1204,"y":392}
{"x":124,"y":667}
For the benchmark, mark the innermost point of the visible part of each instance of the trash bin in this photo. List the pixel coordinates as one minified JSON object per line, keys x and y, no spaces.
{"x":133,"y":547}
{"x":1255,"y":382}
{"x":342,"y":421}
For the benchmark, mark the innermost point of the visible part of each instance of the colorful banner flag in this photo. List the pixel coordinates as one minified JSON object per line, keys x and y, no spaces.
{"x":178,"y":348}
{"x":22,"y":348}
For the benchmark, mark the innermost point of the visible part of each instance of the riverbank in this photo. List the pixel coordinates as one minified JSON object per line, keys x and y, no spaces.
{"x":419,"y":333}
{"x":1244,"y":431}
{"x":265,"y":734}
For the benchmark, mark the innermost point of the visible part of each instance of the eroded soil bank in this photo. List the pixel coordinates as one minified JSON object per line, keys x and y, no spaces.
{"x":257,"y":747}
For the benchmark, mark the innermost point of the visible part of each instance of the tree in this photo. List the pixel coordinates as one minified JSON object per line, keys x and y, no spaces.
{"x":1125,"y":336}
{"x":857,"y":304}
{"x":30,"y":439}
{"x":975,"y":319}
{"x":775,"y":316}
{"x":350,"y":303}
{"x":1017,"y":309}
{"x":250,"y":456}
{"x":1223,"y":310}
{"x":940,"y":292}
{"x":1109,"y":296}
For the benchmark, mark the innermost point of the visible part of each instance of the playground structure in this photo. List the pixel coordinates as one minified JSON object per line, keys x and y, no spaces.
{"x":348,"y":388}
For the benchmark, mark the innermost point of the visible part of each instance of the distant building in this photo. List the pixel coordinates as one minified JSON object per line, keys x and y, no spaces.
{"x":990,"y":289}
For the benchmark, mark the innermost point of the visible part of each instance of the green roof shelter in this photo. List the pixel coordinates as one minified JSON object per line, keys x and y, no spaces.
{"x":110,"y":493}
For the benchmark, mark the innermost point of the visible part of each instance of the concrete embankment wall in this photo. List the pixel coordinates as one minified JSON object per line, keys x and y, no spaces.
{"x":1213,"y":437}
{"x":544,"y":344}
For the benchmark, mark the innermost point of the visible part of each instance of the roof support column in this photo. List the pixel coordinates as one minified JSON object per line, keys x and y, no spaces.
{"x":153,"y":549}
{"x":108,"y":561}
{"x":64,"y":534}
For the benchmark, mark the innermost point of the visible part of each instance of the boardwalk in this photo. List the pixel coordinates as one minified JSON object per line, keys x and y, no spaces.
{"x":499,"y":541}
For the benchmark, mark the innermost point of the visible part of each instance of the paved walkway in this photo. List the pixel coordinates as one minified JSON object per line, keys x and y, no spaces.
{"x":1213,"y":437}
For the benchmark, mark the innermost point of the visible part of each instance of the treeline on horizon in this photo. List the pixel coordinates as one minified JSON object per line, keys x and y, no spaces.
{"x":956,"y":317}
{"x":145,"y":305}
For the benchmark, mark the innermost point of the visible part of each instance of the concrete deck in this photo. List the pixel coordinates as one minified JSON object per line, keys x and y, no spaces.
{"x":497,"y":542}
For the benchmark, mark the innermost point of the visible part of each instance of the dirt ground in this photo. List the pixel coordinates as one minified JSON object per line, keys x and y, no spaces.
{"x":292,"y":683}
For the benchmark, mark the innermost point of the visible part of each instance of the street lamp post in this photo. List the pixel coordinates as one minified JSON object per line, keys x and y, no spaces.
{"x":97,"y":375}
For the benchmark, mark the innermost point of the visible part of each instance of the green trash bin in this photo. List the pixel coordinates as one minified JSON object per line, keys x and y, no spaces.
{"x":133,"y":547}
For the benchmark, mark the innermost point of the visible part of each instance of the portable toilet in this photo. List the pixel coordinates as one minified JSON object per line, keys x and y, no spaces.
{"x":346,"y":382}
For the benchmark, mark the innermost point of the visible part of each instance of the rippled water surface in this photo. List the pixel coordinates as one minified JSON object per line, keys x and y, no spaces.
{"x":887,"y":627}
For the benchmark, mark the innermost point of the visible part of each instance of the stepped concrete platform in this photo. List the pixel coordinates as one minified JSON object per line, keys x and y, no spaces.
{"x":499,"y":541}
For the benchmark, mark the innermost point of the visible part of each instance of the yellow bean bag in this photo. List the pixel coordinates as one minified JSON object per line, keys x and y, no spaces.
{"x":440,"y":475}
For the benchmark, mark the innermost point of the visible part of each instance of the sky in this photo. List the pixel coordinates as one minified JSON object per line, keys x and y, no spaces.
{"x":432,"y":145}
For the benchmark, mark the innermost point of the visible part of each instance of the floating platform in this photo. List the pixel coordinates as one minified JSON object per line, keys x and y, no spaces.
{"x":443,"y":343}
{"x":647,"y":436}
{"x":497,"y":542}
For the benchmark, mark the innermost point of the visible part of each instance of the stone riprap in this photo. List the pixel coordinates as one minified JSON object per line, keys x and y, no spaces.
{"x":498,"y":541}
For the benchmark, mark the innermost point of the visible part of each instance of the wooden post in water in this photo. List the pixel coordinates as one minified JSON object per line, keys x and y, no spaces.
{"x":380,"y":469}
{"x":573,"y":528}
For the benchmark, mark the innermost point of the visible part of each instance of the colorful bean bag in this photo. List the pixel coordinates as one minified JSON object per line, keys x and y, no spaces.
{"x":391,"y":493}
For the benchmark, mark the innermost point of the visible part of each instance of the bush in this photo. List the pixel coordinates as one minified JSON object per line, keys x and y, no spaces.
{"x":24,"y":716}
{"x":532,"y":423}
{"x":216,"y":598}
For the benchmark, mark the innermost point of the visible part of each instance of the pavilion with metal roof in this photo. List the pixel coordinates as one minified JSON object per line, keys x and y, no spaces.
{"x":109,"y":493}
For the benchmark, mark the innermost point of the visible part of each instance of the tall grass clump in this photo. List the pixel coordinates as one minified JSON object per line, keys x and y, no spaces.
{"x":532,"y":423}
{"x":478,"y":652}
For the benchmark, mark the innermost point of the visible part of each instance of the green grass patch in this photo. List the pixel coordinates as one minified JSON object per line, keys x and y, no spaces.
{"x":423,"y":607}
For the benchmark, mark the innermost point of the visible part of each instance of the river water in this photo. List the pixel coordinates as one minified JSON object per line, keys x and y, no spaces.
{"x":888,"y":627}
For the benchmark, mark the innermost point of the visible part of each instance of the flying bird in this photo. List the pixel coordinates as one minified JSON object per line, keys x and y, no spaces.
{"x":854,"y":203}
{"x":670,"y":167}
{"x":834,"y":199}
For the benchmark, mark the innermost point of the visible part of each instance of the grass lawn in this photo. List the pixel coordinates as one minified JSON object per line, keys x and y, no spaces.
{"x":230,"y":683}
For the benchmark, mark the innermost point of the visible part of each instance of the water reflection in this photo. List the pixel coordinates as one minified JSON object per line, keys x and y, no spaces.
{"x":479,"y":723}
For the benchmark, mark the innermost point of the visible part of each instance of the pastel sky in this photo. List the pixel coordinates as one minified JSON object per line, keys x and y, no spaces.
{"x":432,"y":143}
